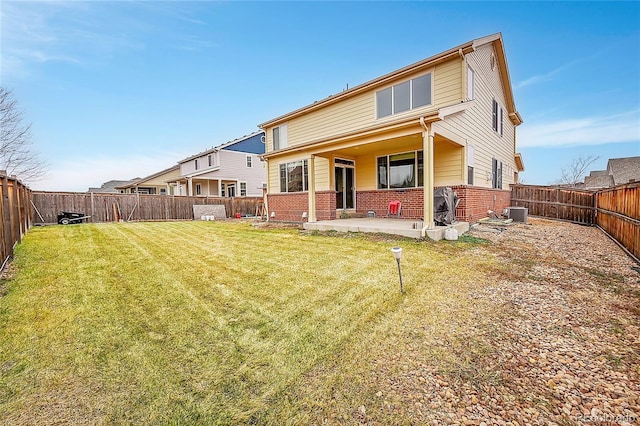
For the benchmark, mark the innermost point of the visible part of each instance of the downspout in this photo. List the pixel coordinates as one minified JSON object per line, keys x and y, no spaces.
{"x":427,"y":128}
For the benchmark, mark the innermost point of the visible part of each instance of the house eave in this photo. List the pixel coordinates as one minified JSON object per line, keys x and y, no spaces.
{"x":456,"y":52}
{"x":345,"y":137}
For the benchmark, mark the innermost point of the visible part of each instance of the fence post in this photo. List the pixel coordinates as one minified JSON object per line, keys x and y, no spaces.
{"x":6,"y":209}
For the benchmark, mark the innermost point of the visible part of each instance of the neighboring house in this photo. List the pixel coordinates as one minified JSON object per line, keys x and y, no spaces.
{"x":448,"y":120}
{"x":229,"y":170}
{"x":619,"y":171}
{"x":110,"y":187}
{"x":157,"y":183}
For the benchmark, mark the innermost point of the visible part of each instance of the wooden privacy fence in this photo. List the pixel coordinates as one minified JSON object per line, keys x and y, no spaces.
{"x":558,"y":203}
{"x":619,"y":215}
{"x":114,"y":207}
{"x":615,"y":210}
{"x":15,"y":214}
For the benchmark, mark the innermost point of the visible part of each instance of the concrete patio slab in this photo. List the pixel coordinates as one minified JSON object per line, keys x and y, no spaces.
{"x":404,"y":227}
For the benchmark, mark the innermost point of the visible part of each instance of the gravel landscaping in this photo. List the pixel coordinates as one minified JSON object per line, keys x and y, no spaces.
{"x":566,"y":345}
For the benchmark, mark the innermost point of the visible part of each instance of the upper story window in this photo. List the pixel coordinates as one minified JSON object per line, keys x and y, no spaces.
{"x":405,"y":170}
{"x":294,"y":176}
{"x":497,"y":118}
{"x":196,"y":164}
{"x":249,"y":161}
{"x":280,"y":137}
{"x":404,"y":96}
{"x":210,"y":160}
{"x":470,"y":83}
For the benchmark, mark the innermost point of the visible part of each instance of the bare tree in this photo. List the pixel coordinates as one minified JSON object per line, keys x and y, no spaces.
{"x":574,"y":172}
{"x":17,"y":156}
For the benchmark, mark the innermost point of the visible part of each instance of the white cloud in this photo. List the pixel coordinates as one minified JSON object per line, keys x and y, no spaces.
{"x":78,"y":174}
{"x":624,"y":127}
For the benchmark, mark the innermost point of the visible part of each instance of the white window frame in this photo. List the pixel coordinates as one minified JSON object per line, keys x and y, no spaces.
{"x":281,"y":141}
{"x":210,"y":160}
{"x":411,"y":107}
{"x":305,"y":179}
{"x":470,"y":164}
{"x":497,"y":117}
{"x":249,"y":161}
{"x":388,"y":171}
{"x":195,"y":162}
{"x":243,"y":188}
{"x":470,"y":83}
{"x":223,"y":190}
{"x":198,"y":189}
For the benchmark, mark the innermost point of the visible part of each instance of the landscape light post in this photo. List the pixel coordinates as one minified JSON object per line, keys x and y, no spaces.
{"x":397,"y":252}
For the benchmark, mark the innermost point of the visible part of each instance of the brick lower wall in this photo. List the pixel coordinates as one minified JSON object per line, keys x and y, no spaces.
{"x":474,"y":203}
{"x":378,"y":201}
{"x":289,"y":207}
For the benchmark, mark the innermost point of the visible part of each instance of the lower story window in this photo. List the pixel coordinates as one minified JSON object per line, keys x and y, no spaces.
{"x":243,"y":189}
{"x":223,"y":192}
{"x":198,"y":189}
{"x":496,"y":168}
{"x":405,"y":170}
{"x":294,"y":176}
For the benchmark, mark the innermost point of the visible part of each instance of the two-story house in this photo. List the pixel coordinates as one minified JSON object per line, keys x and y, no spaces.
{"x":448,"y":120}
{"x":229,"y":170}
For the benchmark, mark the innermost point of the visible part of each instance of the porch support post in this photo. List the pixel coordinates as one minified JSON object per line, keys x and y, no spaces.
{"x":219,"y":188}
{"x":312,"y":189}
{"x":190,"y":186}
{"x":427,"y":147}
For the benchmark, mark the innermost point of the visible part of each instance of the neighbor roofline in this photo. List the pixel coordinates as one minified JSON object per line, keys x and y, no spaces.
{"x":148,"y":178}
{"x":222,"y":146}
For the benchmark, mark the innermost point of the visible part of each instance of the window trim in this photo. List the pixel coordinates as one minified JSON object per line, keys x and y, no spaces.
{"x":282,"y":139}
{"x":198,"y":189}
{"x":411,"y":97}
{"x":471,"y":83}
{"x":210,"y":160}
{"x":249,"y":161}
{"x":196,"y":163}
{"x":242,"y":184}
{"x":497,"y":117}
{"x":417,"y":168}
{"x":305,"y":176}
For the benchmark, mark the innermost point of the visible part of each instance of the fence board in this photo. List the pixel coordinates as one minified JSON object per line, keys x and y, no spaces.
{"x":615,"y":210}
{"x":557,"y":203}
{"x":139,"y":207}
{"x":15,"y":215}
{"x":619,"y":215}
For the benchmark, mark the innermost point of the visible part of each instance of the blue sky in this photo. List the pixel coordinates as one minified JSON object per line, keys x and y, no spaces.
{"x":122,"y":89}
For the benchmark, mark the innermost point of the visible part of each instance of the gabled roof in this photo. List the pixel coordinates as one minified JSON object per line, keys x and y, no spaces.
{"x":458,"y":51}
{"x":251,"y":144}
{"x":624,"y":170}
{"x":598,"y":181}
{"x":138,"y":181}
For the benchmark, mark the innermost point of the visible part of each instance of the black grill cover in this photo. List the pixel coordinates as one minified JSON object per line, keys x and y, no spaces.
{"x":445,"y":201}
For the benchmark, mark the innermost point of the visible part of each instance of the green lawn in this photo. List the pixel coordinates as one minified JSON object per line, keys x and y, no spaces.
{"x":221,"y":322}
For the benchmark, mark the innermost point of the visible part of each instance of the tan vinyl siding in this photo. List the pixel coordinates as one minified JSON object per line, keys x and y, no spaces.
{"x":447,"y":88}
{"x":321,"y":172}
{"x":359,"y":111}
{"x":475,"y":124}
{"x":447,"y":164}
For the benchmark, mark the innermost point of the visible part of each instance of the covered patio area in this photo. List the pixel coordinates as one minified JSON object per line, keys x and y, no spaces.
{"x":404,"y":227}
